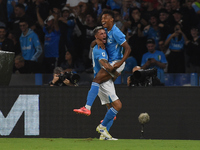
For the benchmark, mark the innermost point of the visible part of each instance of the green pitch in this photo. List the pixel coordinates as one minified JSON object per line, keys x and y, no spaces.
{"x":95,"y":144}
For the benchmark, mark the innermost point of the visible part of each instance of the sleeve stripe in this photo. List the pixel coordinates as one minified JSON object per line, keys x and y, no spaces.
{"x":123,"y":42}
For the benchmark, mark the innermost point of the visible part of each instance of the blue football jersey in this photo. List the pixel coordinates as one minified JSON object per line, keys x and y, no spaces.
{"x":115,"y":38}
{"x":98,"y":54}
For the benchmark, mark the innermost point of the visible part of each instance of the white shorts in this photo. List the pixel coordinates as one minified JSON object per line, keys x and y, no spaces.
{"x":107,"y":92}
{"x":120,"y":69}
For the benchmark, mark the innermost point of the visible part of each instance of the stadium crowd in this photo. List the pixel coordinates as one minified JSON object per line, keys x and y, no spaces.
{"x":45,"y":34}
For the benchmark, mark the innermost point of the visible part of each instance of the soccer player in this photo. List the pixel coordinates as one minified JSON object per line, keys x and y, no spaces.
{"x":106,"y":95}
{"x":116,"y":42}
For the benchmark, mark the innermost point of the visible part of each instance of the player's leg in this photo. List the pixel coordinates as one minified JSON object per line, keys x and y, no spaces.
{"x":105,"y":100}
{"x":93,"y":92}
{"x":112,"y":112}
{"x":101,"y":77}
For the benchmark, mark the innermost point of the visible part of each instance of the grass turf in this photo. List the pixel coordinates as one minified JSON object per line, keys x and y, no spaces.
{"x":95,"y":144}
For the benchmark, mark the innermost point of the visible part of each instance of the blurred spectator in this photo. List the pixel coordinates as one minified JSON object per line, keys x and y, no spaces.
{"x":10,"y":10}
{"x":85,"y":8}
{"x":74,"y":3}
{"x":58,"y":71}
{"x":5,"y":43}
{"x":29,"y":41}
{"x":14,"y":3}
{"x":175,"y":43}
{"x":130,"y":64}
{"x":114,"y":4}
{"x":66,"y":24}
{"x":17,"y":47}
{"x":118,"y":19}
{"x":196,"y":7}
{"x":168,"y":7}
{"x":165,"y":24}
{"x":86,"y":38}
{"x":130,"y":29}
{"x":126,"y":5}
{"x":71,"y":64}
{"x":44,"y":9}
{"x":43,"y":6}
{"x":19,"y":13}
{"x":148,"y":9}
{"x":154,"y":59}
{"x":193,"y":51}
{"x":186,"y":20}
{"x":52,"y":37}
{"x":22,"y":66}
{"x":151,"y":31}
{"x":97,"y":7}
{"x":3,"y":17}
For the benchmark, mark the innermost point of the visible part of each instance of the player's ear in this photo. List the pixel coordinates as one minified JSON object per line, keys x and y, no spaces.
{"x":112,"y":19}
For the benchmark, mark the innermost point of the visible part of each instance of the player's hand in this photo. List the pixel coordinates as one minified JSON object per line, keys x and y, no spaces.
{"x":117,"y":65}
{"x":100,"y":44}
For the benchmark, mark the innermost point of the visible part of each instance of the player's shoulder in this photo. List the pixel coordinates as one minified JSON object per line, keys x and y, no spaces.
{"x":97,"y":49}
{"x":116,"y":29}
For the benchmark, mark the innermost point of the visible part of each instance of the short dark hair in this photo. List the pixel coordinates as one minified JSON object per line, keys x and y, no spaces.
{"x":23,"y":20}
{"x":109,"y":12}
{"x":58,"y":70}
{"x":20,"y":6}
{"x":2,"y":27}
{"x":150,"y":41}
{"x":97,"y":29}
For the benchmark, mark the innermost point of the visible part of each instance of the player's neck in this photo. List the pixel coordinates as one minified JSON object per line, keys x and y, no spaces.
{"x":109,"y":28}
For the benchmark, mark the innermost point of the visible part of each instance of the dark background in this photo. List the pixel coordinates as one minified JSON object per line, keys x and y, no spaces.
{"x":174,"y":112}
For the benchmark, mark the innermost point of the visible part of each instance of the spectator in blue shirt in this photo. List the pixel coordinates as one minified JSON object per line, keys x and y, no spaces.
{"x":154,"y":59}
{"x":175,"y":43}
{"x":151,"y":31}
{"x":30,"y":45}
{"x":52,"y":38}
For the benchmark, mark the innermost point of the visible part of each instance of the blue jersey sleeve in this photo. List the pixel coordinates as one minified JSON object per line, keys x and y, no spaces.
{"x":119,"y":36}
{"x":100,"y":54}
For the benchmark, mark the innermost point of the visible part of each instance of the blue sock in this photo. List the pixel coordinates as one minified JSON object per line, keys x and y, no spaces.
{"x":111,"y":113}
{"x":92,"y":94}
{"x":109,"y":124}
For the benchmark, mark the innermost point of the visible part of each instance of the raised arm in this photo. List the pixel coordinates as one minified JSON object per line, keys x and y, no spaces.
{"x":40,"y":20}
{"x":56,"y":14}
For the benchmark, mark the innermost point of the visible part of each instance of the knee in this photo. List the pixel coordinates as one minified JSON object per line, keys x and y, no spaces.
{"x":118,"y":105}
